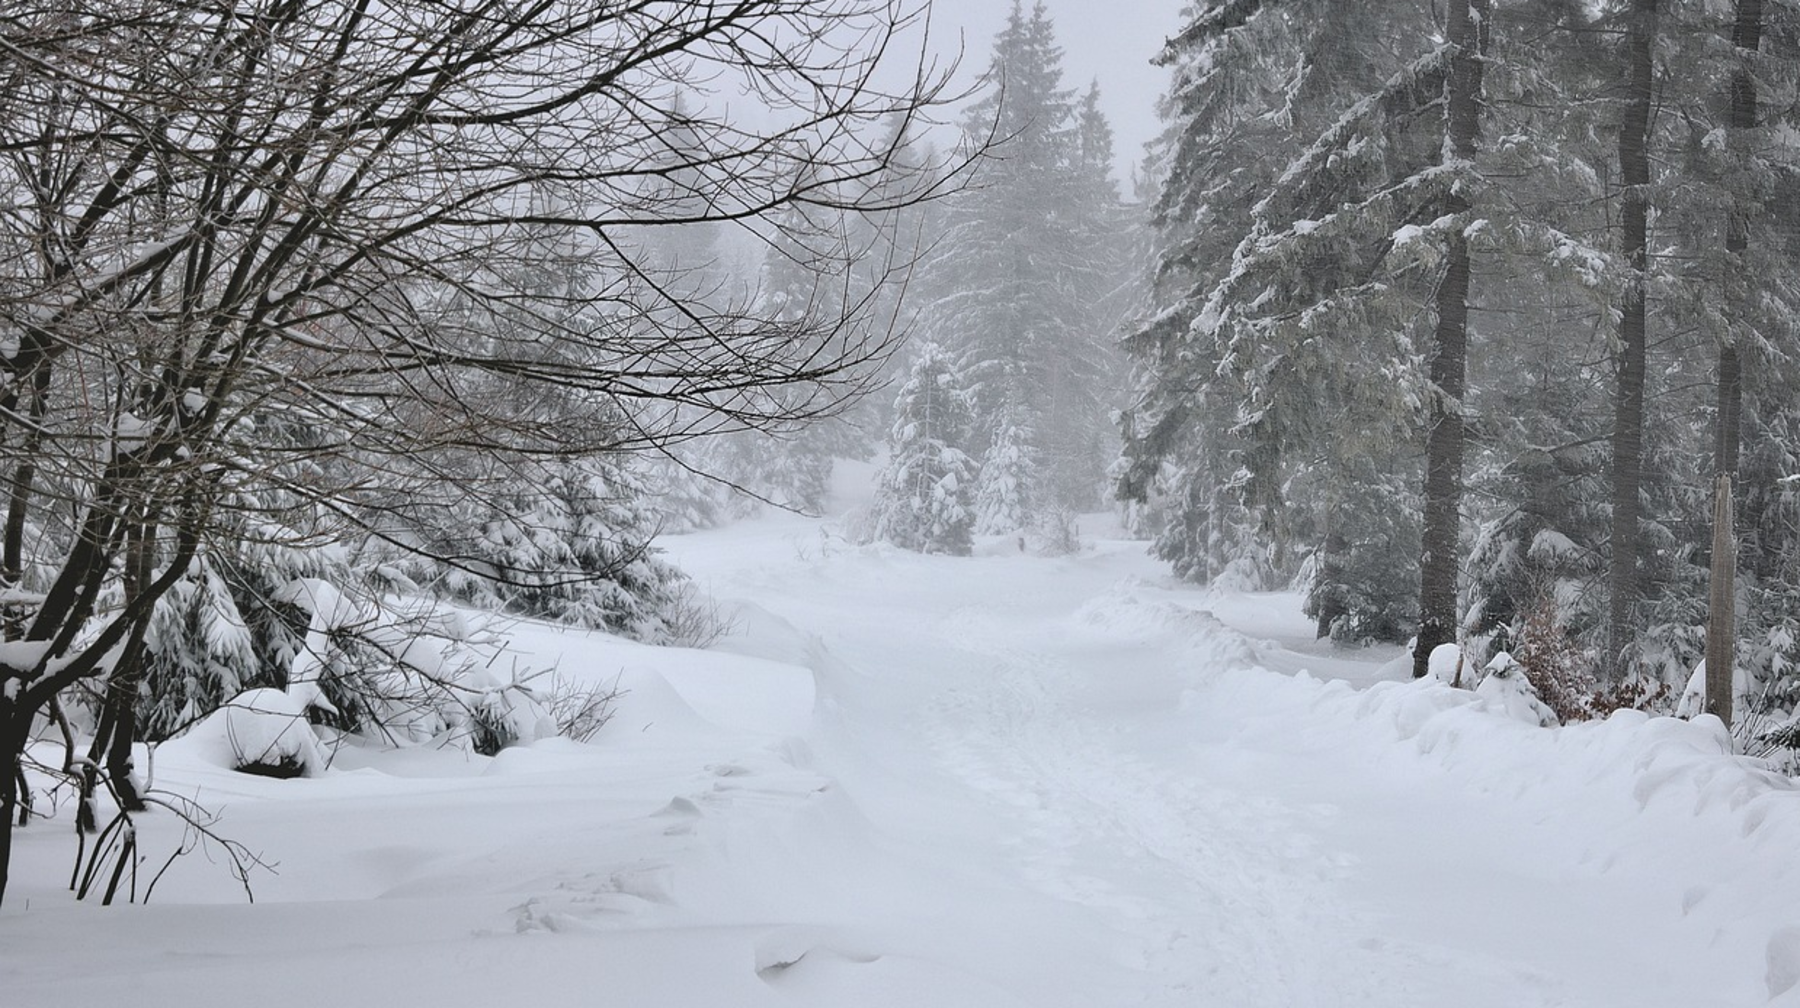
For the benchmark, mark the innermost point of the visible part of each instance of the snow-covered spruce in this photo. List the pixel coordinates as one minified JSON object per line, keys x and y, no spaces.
{"x":925,"y":497}
{"x":1028,"y":280}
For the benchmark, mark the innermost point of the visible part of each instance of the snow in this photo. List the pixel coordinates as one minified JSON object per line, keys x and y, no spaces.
{"x":132,"y":432}
{"x":259,"y":726}
{"x":23,"y":655}
{"x":1550,"y":546}
{"x":1693,"y":695}
{"x":328,"y":610}
{"x":1507,"y":691}
{"x":1445,"y":664}
{"x":997,"y":781}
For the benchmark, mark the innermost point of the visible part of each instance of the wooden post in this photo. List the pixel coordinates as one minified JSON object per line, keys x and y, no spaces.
{"x":1721,"y":606}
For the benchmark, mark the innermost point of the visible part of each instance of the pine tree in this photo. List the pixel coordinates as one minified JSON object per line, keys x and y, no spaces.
{"x":1623,"y":585}
{"x":558,"y":538}
{"x":563,"y":541}
{"x":1322,"y":226}
{"x":1293,"y":367}
{"x":1029,"y":276}
{"x":1738,"y":175}
{"x":1220,"y":151}
{"x":1002,"y":504}
{"x":226,"y":628}
{"x":924,"y":499}
{"x":808,"y":272}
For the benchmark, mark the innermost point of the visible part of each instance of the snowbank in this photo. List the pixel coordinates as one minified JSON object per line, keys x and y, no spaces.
{"x":261,"y":731}
{"x":992,"y":781}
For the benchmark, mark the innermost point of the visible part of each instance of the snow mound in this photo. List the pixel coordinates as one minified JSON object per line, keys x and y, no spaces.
{"x":1653,"y":768}
{"x":1783,"y":957}
{"x":1124,"y":612}
{"x":755,"y":632}
{"x":1507,"y":691}
{"x":261,"y":731}
{"x":1445,"y":664}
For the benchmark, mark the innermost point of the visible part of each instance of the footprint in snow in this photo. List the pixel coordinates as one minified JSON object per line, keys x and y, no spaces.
{"x":596,"y":900}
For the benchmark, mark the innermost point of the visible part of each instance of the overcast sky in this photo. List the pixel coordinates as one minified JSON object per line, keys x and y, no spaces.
{"x":1108,"y":40}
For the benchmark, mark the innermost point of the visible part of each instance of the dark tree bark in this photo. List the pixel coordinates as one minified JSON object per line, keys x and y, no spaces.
{"x":118,"y":720}
{"x":13,"y":734}
{"x":1628,"y":392}
{"x":1466,"y":28}
{"x":1721,"y":599}
{"x":36,"y":385}
{"x":1746,"y":35}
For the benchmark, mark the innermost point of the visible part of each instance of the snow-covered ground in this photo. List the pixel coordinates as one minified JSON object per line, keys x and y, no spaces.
{"x":995,"y":781}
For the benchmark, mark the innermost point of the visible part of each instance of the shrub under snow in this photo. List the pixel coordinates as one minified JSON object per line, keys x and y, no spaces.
{"x":260,"y":731}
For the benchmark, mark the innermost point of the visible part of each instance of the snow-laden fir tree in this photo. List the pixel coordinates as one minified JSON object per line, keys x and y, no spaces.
{"x":563,"y":538}
{"x":1567,"y":501}
{"x":924,"y":500}
{"x":1333,"y":209}
{"x":1541,"y":537}
{"x":1594,"y":494}
{"x":1283,"y":357}
{"x":225,"y":628}
{"x":1235,"y":117}
{"x":231,"y":623}
{"x":562,"y":541}
{"x":1029,"y":275}
{"x":1087,"y":374}
{"x":1002,"y":503}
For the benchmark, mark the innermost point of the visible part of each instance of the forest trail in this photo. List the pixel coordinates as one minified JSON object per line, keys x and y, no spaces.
{"x":1229,"y":835}
{"x":1002,"y":781}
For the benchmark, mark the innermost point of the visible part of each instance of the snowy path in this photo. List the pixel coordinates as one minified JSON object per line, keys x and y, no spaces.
{"x":997,"y":782}
{"x":1074,"y":736}
{"x":1226,"y":857}
{"x":1064,"y":737}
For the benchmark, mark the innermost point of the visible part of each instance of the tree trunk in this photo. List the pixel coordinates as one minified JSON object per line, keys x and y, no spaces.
{"x":19,"y":494}
{"x":1746,"y":35}
{"x":15,"y":726}
{"x":1467,"y":27}
{"x":127,"y":678}
{"x":9,"y":800}
{"x":1721,"y":645}
{"x":1628,"y":392}
{"x":1328,"y":595}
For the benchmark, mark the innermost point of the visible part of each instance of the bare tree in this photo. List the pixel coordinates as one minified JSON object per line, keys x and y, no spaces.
{"x":250,"y":255}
